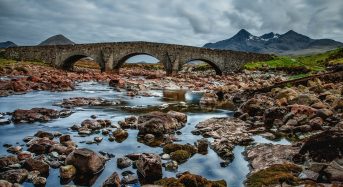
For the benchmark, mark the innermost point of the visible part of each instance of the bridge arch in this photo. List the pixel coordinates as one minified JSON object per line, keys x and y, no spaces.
{"x":70,"y":60}
{"x":124,"y":58}
{"x":209,"y":62}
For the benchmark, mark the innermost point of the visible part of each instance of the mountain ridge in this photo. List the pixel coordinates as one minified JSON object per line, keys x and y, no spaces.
{"x":289,"y":43}
{"x":58,"y":39}
{"x":7,"y":44}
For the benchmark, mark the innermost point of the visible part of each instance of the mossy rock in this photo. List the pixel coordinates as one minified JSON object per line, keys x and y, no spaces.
{"x":180,"y":156}
{"x":275,"y":174}
{"x":190,"y":180}
{"x":169,"y":148}
{"x":169,"y":182}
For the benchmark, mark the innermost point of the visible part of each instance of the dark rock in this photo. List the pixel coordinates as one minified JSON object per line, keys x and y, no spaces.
{"x":112,"y":181}
{"x":34,"y":114}
{"x":8,"y":160}
{"x":67,"y":172}
{"x":188,"y":179}
{"x":159,"y":123}
{"x":33,"y":164}
{"x":14,"y":175}
{"x":180,"y":156}
{"x":43,"y":134}
{"x":39,"y":181}
{"x":123,"y":162}
{"x":129,"y":179}
{"x":120,"y":135}
{"x":65,"y":138}
{"x":323,"y":147}
{"x":274,"y":113}
{"x":150,"y":166}
{"x":24,"y":155}
{"x":83,"y":101}
{"x":169,"y":148}
{"x":202,"y":146}
{"x":256,"y":106}
{"x":40,"y":145}
{"x":335,"y":170}
{"x":85,"y":161}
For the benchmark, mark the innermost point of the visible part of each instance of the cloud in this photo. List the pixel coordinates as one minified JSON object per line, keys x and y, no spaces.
{"x":28,"y":22}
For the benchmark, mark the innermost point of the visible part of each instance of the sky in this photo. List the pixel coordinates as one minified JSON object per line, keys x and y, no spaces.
{"x":196,"y":22}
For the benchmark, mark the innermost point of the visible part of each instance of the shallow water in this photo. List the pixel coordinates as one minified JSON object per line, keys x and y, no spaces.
{"x":204,"y":165}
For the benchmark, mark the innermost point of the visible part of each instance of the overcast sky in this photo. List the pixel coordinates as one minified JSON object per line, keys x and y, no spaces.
{"x":195,"y":22}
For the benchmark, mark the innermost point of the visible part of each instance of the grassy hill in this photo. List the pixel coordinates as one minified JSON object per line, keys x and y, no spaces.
{"x":297,"y":65}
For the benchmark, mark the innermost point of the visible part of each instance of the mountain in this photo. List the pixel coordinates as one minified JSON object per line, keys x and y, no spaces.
{"x":57,"y":40}
{"x":289,"y":43}
{"x":7,"y":44}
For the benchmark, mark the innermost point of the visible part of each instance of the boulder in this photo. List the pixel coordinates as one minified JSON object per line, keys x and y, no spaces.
{"x":256,"y":106}
{"x":123,"y":162}
{"x":274,"y":113}
{"x":227,"y":132}
{"x":150,"y":166}
{"x":262,"y":156}
{"x":335,"y":170}
{"x":8,"y":160}
{"x":65,"y":138}
{"x":324,"y":147}
{"x":120,"y":135}
{"x":188,"y":179}
{"x":67,"y":172}
{"x":85,"y":161}
{"x":38,"y":165}
{"x":112,"y":181}
{"x":43,"y":134}
{"x":14,"y":175}
{"x":202,"y":146}
{"x":179,"y":116}
{"x":159,"y":123}
{"x":39,"y":181}
{"x":24,"y":155}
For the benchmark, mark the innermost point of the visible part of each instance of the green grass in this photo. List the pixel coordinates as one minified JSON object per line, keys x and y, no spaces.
{"x":300,"y":65}
{"x":298,"y":76}
{"x":157,"y":66}
{"x":7,"y":63}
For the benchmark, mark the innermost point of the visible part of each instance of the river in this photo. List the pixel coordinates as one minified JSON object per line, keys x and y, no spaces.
{"x":204,"y":165}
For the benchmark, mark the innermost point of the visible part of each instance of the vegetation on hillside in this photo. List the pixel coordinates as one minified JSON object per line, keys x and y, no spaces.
{"x":11,"y":63}
{"x":301,"y":65}
{"x":156,"y":66}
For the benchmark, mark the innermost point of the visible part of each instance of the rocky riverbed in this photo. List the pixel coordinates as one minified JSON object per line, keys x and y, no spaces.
{"x":141,"y":127}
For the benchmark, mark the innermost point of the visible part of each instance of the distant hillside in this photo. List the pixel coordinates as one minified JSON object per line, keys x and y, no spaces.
{"x":289,"y":43}
{"x":7,"y":44}
{"x":57,"y":40}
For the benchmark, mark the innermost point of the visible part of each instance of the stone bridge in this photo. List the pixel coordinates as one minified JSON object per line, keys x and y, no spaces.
{"x":111,"y":56}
